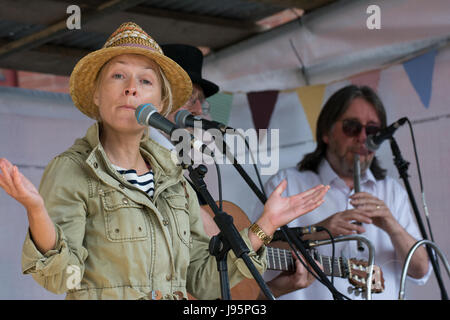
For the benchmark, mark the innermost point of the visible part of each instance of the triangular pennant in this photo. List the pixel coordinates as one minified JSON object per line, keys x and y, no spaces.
{"x":8,"y":78}
{"x":420,"y":73}
{"x":370,"y":79}
{"x":311,"y":98}
{"x":220,"y":107}
{"x":262,"y":104}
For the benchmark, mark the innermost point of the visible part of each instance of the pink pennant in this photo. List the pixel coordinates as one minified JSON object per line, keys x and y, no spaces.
{"x":370,"y":79}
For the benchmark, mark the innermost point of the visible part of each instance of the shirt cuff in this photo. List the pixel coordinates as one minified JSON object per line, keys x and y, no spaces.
{"x":259,"y":258}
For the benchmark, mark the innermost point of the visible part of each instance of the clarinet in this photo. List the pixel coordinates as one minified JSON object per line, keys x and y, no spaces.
{"x":356,"y":186}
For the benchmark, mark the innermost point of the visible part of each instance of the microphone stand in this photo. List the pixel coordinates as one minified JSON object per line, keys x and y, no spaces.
{"x":228,"y":238}
{"x":287,"y":233}
{"x":402,"y":167}
{"x":401,"y":294}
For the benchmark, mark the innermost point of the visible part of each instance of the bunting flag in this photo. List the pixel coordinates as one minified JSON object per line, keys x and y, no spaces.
{"x":8,"y":78}
{"x":370,"y":79}
{"x":262,"y":104}
{"x":420,"y":73}
{"x":311,"y":98}
{"x":220,"y":107}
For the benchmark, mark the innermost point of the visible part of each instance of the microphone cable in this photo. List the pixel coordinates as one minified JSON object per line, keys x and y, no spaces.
{"x":330,"y":287}
{"x":422,"y":190}
{"x":425,"y":207}
{"x":219,"y":185}
{"x":319,"y":228}
{"x":253,"y":159}
{"x":332,"y":252}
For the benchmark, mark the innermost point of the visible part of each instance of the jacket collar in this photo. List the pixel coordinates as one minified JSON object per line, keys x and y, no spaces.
{"x":160,"y":157}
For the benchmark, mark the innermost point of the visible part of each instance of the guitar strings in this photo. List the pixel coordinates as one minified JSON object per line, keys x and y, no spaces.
{"x":283,"y":260}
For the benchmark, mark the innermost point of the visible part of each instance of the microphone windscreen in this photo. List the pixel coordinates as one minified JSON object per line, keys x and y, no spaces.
{"x":371,"y":145}
{"x":143,"y":111}
{"x":180,"y":118}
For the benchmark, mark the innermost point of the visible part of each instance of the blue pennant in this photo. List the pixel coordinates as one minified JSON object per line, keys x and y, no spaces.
{"x":420,"y":73}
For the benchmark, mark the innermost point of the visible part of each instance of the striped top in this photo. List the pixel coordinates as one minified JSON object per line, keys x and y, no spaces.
{"x":144,"y":182}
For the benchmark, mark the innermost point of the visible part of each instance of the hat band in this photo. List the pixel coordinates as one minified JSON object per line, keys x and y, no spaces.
{"x":134,"y":45}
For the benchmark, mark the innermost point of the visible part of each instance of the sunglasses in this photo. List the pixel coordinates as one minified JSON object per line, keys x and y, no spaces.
{"x":352,"y":128}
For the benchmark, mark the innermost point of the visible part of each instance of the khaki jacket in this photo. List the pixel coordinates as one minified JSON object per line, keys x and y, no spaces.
{"x":114,"y":242}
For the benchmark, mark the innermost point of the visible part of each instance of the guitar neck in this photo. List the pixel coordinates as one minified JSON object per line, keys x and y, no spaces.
{"x":282,"y":260}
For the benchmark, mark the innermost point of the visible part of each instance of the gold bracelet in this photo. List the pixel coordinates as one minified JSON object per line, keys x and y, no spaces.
{"x":260,"y":234}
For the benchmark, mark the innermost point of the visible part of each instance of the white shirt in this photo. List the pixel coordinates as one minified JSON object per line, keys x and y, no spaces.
{"x":337,"y":200}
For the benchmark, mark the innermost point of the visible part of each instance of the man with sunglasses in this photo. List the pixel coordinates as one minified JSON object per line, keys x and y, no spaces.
{"x":380,"y":211}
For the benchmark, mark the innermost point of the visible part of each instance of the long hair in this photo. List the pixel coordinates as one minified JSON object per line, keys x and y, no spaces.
{"x":335,"y":106}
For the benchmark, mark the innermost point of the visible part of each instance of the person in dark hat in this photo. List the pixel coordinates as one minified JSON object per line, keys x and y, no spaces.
{"x":190,"y":58}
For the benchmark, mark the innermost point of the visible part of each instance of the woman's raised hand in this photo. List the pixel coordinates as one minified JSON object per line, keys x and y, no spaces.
{"x":18,"y":186}
{"x":279,"y":211}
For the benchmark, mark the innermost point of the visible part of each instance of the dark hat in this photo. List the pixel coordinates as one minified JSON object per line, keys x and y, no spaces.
{"x":190,"y":58}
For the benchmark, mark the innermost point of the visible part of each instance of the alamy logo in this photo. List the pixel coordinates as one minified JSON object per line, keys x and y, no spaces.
{"x":74,"y":20}
{"x":73,"y":281}
{"x":374,"y":20}
{"x":265,"y":148}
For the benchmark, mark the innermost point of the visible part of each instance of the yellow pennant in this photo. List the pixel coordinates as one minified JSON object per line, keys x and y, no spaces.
{"x":311,"y":98}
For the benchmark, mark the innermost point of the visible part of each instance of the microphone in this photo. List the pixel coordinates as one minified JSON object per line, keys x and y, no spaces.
{"x":146,"y":114}
{"x":184,"y":118}
{"x":298,"y":231}
{"x":373,"y":142}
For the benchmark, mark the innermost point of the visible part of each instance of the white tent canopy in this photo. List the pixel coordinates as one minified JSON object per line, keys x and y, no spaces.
{"x":331,"y":44}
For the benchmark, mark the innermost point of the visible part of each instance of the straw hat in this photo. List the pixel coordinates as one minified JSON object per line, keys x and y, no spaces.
{"x":129,"y":38}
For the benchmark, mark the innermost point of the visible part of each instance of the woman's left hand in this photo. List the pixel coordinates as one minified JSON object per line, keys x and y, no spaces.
{"x":279,"y":211}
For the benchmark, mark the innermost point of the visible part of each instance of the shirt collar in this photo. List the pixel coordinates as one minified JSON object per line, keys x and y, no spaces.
{"x":328,"y":175}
